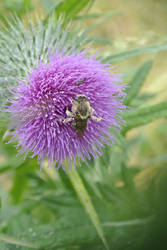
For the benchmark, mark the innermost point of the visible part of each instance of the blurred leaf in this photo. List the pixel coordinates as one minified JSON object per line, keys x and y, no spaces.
{"x":18,"y":6}
{"x":137,"y":82}
{"x":4,"y":245}
{"x":99,"y":40}
{"x":4,"y":21}
{"x":17,"y":242}
{"x":72,"y":229}
{"x":19,"y":185}
{"x":119,"y":139}
{"x":142,"y":99}
{"x":142,"y":116}
{"x":84,"y":236}
{"x":4,"y":167}
{"x":143,"y":120}
{"x":158,"y":159}
{"x":162,"y":106}
{"x":55,"y":201}
{"x":86,"y":202}
{"x":49,"y":5}
{"x":96,"y":15}
{"x":134,"y":52}
{"x":69,"y":8}
{"x":105,"y":18}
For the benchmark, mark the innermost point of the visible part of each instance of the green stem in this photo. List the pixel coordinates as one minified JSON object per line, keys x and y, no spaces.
{"x":86,"y":202}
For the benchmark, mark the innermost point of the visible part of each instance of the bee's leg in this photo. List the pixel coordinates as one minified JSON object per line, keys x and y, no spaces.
{"x":91,"y":111}
{"x":66,"y":120}
{"x":68,"y":113}
{"x":96,"y":119}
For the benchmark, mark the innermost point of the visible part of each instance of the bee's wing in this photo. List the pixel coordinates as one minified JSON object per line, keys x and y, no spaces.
{"x":80,"y":126}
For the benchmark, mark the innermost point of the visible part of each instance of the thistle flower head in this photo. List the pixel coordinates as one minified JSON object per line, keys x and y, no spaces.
{"x":40,"y":100}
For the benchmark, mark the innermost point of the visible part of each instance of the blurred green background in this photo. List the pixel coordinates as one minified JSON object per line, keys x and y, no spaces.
{"x":127,"y":185}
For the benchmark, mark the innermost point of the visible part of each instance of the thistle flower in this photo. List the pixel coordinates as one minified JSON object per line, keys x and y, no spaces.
{"x":45,"y":90}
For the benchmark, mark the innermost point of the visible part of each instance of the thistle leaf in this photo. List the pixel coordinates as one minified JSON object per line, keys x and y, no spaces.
{"x":137,"y":81}
{"x":100,"y":40}
{"x":145,"y":115}
{"x":20,"y":7}
{"x":70,"y":8}
{"x":96,"y":15}
{"x":14,"y":241}
{"x":134,"y":52}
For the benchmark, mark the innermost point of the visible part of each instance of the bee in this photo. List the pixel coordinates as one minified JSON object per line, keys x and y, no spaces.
{"x":81,"y":112}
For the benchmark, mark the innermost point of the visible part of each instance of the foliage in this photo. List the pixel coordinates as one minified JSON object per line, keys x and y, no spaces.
{"x":41,"y":209}
{"x":18,"y":6}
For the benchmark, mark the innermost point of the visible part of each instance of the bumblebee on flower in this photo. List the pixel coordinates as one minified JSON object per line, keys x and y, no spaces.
{"x":65,"y":107}
{"x":81,"y":111}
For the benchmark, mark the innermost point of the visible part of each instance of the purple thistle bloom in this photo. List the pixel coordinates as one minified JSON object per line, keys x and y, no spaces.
{"x":40,"y":104}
